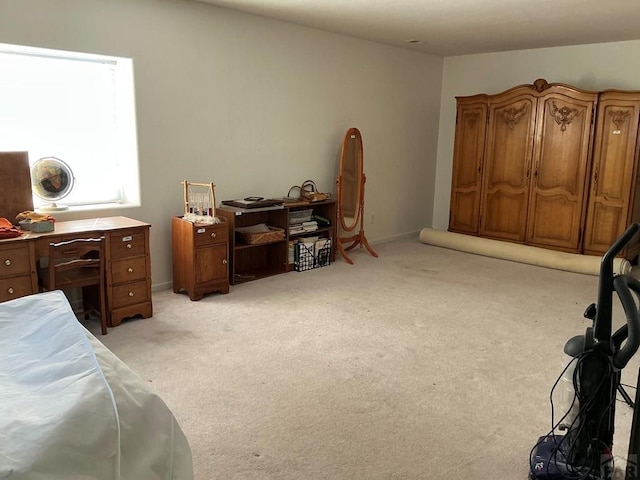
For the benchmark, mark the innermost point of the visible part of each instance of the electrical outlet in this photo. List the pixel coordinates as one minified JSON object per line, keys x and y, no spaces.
{"x":372,"y":219}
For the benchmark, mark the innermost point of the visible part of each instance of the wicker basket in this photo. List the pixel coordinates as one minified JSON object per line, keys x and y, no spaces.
{"x":273,"y":235}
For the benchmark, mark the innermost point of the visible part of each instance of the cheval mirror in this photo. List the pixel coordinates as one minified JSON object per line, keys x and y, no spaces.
{"x":350,"y":186}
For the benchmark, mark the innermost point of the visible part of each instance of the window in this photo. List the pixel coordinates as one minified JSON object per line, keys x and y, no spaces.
{"x":76,"y":107}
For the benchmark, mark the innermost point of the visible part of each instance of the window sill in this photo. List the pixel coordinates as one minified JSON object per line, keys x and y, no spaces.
{"x":99,"y":209}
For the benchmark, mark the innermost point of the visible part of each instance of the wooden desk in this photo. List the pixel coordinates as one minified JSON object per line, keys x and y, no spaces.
{"x":128,"y":263}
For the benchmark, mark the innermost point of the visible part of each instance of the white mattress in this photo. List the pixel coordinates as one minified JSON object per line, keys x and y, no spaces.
{"x":70,"y":409}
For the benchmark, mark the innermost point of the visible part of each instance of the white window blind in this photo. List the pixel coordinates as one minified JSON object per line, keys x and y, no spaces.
{"x":76,"y":107}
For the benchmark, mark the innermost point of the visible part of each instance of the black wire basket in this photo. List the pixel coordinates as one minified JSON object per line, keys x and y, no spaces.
{"x":308,"y":256}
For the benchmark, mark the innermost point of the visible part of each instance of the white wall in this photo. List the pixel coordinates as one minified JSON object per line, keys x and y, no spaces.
{"x":254,"y":105}
{"x":590,"y":67}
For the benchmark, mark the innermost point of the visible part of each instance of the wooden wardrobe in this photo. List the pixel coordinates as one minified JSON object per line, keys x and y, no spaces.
{"x":548,"y":165}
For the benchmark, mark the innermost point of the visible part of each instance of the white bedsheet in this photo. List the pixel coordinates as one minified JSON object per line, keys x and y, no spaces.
{"x":70,"y":409}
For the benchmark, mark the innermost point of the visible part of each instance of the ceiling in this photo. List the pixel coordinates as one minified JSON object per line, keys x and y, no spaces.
{"x":458,"y":27}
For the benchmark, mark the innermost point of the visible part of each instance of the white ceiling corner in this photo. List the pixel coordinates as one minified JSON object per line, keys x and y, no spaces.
{"x":459,"y":27}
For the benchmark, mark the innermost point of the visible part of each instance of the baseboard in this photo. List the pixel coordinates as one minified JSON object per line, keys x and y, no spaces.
{"x":157,"y":287}
{"x":399,"y":236}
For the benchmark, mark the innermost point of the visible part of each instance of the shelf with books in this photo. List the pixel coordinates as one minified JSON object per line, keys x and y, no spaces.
{"x":251,"y":261}
{"x":309,"y":222}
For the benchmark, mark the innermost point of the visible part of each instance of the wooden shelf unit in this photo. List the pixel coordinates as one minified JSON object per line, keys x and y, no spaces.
{"x":252,"y":262}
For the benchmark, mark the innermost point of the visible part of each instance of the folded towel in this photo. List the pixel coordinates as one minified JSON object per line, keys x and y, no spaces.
{"x":7,"y":230}
{"x":259,"y":228}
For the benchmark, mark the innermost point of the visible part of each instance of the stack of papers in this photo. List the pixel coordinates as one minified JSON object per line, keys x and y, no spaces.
{"x":311,"y":226}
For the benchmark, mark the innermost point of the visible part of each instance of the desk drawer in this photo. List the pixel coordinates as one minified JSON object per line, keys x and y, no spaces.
{"x":130,"y":294}
{"x":15,"y":287}
{"x":210,"y":235}
{"x":129,"y":270}
{"x":128,"y":244}
{"x":14,"y":260}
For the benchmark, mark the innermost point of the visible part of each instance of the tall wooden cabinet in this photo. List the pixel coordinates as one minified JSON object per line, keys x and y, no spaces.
{"x":468,"y":151}
{"x":614,"y":176}
{"x":504,"y":198}
{"x":531,"y":166}
{"x":560,"y":166}
{"x":536,"y":159}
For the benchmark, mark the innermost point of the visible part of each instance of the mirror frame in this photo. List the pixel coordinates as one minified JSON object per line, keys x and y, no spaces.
{"x":352,"y":133}
{"x":355,"y":239}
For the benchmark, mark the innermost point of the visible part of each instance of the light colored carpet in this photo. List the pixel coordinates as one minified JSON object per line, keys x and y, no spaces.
{"x":425,"y":363}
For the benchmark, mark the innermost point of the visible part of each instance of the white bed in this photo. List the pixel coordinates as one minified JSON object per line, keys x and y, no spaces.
{"x":70,"y":409}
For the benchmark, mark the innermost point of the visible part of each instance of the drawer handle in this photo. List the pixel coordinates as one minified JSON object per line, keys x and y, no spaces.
{"x":131,"y":294}
{"x":128,"y":245}
{"x":224,"y":261}
{"x":7,"y":262}
{"x":10,"y":290}
{"x":130,"y":270}
{"x":213,"y":234}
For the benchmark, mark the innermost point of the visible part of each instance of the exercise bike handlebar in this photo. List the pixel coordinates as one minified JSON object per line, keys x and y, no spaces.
{"x":623,"y":285}
{"x":603,"y":320}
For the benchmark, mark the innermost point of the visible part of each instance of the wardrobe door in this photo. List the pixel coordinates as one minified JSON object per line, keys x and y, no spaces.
{"x":468,"y":150}
{"x":507,"y":168}
{"x":614,"y":170}
{"x":561,"y":159}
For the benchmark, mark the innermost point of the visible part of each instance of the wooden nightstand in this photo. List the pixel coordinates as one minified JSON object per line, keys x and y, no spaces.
{"x":200,"y":257}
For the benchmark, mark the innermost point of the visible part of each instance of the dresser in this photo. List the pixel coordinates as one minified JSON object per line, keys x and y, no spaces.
{"x":128,"y":263}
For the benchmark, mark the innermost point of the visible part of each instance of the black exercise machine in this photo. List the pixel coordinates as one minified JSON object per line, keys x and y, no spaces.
{"x":579,"y":445}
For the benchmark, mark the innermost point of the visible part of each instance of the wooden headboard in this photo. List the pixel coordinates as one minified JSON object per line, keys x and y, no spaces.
{"x":15,"y":182}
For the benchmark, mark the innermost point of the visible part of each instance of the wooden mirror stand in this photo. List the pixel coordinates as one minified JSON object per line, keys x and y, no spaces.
{"x":350,"y":192}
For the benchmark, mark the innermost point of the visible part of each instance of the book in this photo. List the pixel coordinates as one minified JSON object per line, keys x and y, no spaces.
{"x":322,"y":221}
